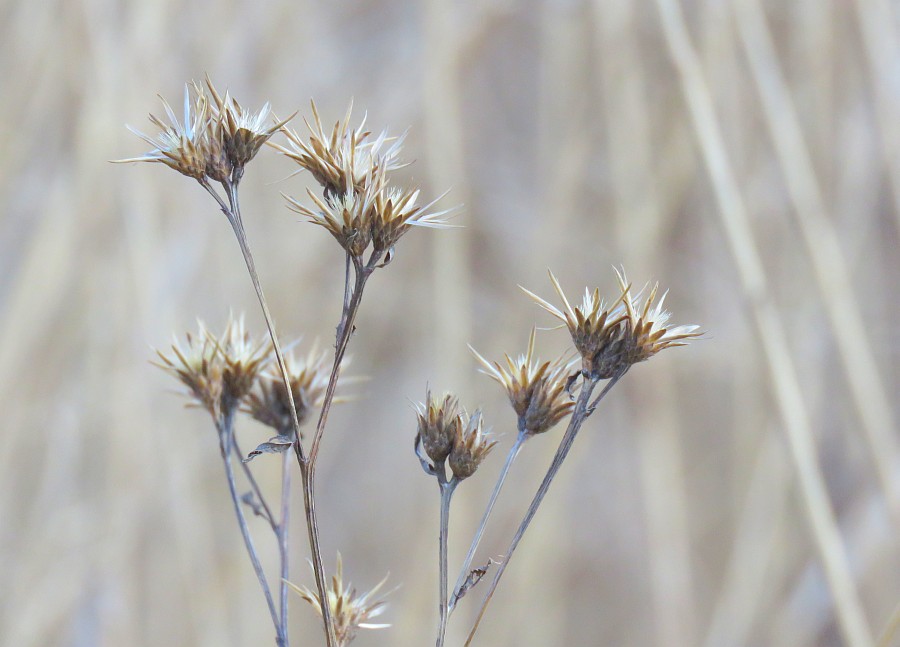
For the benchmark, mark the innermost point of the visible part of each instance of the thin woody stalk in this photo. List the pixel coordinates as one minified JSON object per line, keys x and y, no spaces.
{"x":226,"y":438}
{"x":476,"y":540}
{"x":583,"y":408}
{"x":284,"y":534}
{"x":233,"y":213}
{"x":447,"y":489}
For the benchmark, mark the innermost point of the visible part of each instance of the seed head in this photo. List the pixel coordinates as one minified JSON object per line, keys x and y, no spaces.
{"x":537,"y":391}
{"x":344,"y":160}
{"x":180,"y":145}
{"x":437,"y":425}
{"x":347,"y":216}
{"x":218,"y":371}
{"x":646,"y":330}
{"x":268,"y":402}
{"x":470,"y":445}
{"x":396,"y":211}
{"x":596,"y":328}
{"x":351,"y":612}
{"x":239,"y":133}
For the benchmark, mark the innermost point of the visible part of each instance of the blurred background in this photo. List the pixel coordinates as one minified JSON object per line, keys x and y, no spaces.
{"x":742,"y":491}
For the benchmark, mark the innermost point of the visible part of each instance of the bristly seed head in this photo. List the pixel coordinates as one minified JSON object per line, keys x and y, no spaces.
{"x":239,"y":132}
{"x":437,"y":425}
{"x":646,"y":330}
{"x":180,"y":145}
{"x":268,"y":402}
{"x":537,"y":391}
{"x":218,"y":371}
{"x":344,"y":160}
{"x":346,"y":216}
{"x":470,"y":445}
{"x":351,"y":612}
{"x":596,"y":329}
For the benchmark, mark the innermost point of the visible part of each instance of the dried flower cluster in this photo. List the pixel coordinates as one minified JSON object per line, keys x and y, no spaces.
{"x":351,"y":612}
{"x":447,"y":434}
{"x":215,"y":139}
{"x":269,"y":402}
{"x":218,"y":371}
{"x":359,"y":207}
{"x":537,"y":391}
{"x":610,"y":338}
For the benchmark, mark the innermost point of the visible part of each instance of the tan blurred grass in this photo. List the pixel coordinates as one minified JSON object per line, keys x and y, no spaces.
{"x":564,"y":129}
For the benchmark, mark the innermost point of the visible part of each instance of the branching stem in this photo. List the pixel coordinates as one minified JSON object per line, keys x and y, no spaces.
{"x":226,"y":440}
{"x":476,"y":540}
{"x":582,"y":410}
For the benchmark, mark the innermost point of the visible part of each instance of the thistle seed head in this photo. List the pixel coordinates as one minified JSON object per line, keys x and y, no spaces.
{"x":437,"y":421}
{"x":470,"y":445}
{"x":646,"y":329}
{"x":596,"y":329}
{"x":268,"y":402}
{"x":180,"y":145}
{"x":536,"y":390}
{"x":218,"y":371}
{"x":345,"y":159}
{"x":351,"y":612}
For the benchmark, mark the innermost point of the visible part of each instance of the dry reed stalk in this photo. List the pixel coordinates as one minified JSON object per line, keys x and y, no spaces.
{"x":849,"y":330}
{"x":640,"y":234}
{"x":770,"y":329}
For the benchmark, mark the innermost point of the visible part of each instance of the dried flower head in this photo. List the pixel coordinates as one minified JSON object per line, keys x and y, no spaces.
{"x":351,"y":612}
{"x":180,"y":145}
{"x":218,"y":371}
{"x":239,"y":133}
{"x":437,"y":425}
{"x":346,"y":216}
{"x":396,"y":211}
{"x":268,"y":402}
{"x":345,"y":159}
{"x":470,"y":445}
{"x":646,"y":327}
{"x":537,"y":391}
{"x":596,"y":329}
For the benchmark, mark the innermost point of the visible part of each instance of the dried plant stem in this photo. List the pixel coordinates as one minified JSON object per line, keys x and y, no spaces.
{"x":447,"y":489}
{"x":583,"y":408}
{"x":476,"y":540}
{"x":893,"y":626}
{"x":786,"y":384}
{"x":284,"y":535}
{"x":226,"y":442}
{"x":832,"y":272}
{"x":233,"y":213}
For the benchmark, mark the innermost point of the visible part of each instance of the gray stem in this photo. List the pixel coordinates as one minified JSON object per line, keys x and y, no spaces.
{"x":476,"y":540}
{"x":581,"y":412}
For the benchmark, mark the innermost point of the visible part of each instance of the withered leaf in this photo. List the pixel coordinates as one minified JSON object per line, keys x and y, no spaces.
{"x":275,"y":445}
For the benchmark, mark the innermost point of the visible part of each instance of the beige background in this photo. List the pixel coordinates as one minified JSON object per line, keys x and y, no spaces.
{"x":563,"y":128}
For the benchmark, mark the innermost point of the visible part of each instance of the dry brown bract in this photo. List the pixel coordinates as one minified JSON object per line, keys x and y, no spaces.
{"x":351,"y":612}
{"x":470,"y":445}
{"x":218,"y":371}
{"x":537,"y":391}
